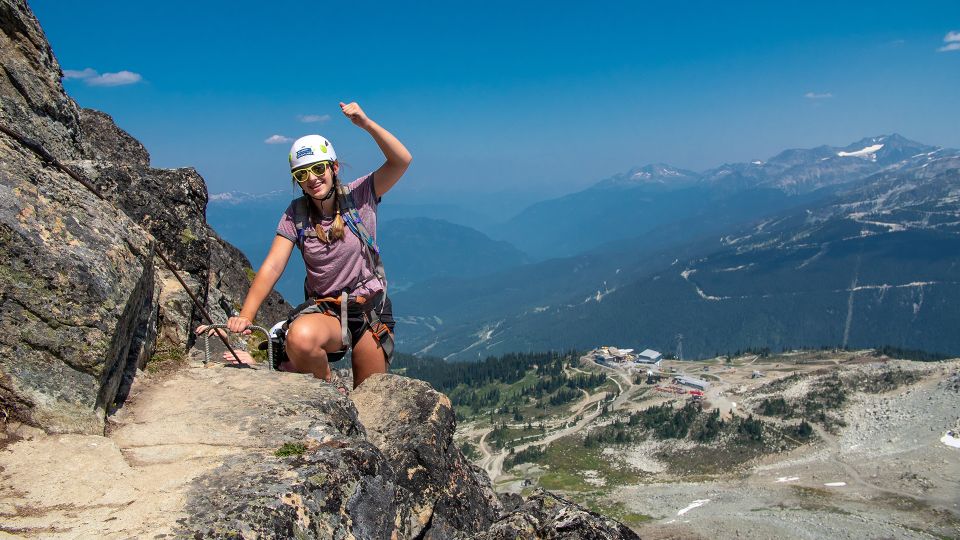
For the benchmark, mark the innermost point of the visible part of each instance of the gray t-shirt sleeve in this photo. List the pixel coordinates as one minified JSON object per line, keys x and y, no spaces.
{"x":362,"y":190}
{"x":286,"y":228}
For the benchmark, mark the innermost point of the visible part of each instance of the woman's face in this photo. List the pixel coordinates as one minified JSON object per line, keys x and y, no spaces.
{"x":318,"y":186}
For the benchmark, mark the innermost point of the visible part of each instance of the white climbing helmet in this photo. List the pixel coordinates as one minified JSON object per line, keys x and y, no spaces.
{"x":311,"y":149}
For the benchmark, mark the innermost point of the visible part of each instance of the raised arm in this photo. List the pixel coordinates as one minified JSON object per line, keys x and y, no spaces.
{"x":270,"y":272}
{"x":398,"y":157}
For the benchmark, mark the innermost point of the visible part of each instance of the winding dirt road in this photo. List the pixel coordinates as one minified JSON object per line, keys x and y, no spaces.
{"x":492,"y":460}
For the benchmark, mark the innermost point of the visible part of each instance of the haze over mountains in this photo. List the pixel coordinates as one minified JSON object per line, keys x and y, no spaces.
{"x":854,"y":245}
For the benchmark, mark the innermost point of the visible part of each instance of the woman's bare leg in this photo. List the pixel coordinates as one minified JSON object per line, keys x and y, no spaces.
{"x":368,"y":358}
{"x":308,"y":340}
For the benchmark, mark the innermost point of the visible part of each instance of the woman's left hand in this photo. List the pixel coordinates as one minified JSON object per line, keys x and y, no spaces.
{"x":355,"y":114}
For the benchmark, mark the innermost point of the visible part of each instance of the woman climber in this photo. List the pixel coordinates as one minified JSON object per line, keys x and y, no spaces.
{"x":334,"y":225}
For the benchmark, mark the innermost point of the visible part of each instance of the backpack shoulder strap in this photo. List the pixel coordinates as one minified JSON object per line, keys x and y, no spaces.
{"x":351,"y":216}
{"x":348,"y":209}
{"x":301,"y":220}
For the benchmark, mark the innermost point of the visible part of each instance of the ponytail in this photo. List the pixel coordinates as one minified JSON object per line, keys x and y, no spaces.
{"x":337,"y":229}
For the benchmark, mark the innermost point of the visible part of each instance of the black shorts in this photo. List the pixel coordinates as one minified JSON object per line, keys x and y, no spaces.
{"x":357,"y":320}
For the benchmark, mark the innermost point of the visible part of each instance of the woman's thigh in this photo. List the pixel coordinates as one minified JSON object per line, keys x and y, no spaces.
{"x":314,"y":331}
{"x":368,"y":358}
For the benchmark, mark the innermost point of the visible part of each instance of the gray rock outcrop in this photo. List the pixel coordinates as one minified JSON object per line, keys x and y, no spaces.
{"x":547,"y":515}
{"x":413,"y":425}
{"x":381,"y":464}
{"x":74,"y":281}
{"x":81,"y":300}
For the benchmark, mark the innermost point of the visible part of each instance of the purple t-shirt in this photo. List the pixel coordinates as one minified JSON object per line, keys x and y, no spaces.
{"x":342,"y":263}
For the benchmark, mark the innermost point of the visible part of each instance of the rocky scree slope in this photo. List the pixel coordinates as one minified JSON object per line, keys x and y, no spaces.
{"x":84,"y":302}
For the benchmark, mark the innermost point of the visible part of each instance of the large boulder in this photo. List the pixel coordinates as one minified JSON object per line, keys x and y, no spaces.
{"x":547,"y":515}
{"x":413,"y":425}
{"x":381,"y":464}
{"x":170,"y":203}
{"x":310,"y":472}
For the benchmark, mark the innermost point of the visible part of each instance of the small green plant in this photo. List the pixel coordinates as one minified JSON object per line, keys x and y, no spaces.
{"x":187,"y":236}
{"x":290,"y":449}
{"x":165,"y":357}
{"x":250,"y":273}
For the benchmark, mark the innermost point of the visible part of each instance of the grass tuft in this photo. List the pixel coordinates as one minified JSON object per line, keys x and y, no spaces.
{"x":291,"y":449}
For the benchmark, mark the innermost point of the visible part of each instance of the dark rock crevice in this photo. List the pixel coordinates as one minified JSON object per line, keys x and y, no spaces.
{"x":21,"y":89}
{"x":119,"y":355}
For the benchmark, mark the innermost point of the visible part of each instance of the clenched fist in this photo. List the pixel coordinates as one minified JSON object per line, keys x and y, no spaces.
{"x":355,"y":114}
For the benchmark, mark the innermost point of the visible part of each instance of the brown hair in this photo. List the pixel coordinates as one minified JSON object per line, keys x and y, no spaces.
{"x":336,"y":230}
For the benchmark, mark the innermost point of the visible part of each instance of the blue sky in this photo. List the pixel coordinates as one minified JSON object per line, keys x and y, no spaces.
{"x":536,"y":99}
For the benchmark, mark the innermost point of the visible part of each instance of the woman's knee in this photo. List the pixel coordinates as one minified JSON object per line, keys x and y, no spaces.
{"x":306,"y":336}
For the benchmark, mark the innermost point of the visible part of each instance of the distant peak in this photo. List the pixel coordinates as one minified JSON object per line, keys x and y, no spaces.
{"x":891,"y":140}
{"x":656,"y":170}
{"x":654,"y":173}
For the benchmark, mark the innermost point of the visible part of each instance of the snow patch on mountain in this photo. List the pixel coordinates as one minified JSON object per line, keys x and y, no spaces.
{"x":865,"y":152}
{"x":483,"y":336}
{"x":734,"y":268}
{"x":599,"y":294}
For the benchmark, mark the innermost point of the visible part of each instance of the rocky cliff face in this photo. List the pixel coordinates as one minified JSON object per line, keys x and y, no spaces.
{"x":82,"y":298}
{"x":73,"y":281}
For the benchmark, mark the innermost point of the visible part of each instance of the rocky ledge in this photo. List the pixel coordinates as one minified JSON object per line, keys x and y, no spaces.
{"x":220,"y":452}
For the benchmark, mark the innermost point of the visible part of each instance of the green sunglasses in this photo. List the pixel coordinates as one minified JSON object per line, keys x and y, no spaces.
{"x":301,"y":175}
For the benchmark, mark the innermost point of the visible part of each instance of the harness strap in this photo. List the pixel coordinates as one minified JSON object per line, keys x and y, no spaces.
{"x":381,"y":332}
{"x":344,"y":328}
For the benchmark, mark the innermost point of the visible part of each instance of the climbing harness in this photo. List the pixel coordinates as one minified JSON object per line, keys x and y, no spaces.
{"x":342,"y":307}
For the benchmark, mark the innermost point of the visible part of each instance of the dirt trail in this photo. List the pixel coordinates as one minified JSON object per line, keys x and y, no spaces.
{"x":134,"y":481}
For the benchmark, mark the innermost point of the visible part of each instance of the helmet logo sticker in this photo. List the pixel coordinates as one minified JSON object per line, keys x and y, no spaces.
{"x":323,"y":148}
{"x":304,"y":152}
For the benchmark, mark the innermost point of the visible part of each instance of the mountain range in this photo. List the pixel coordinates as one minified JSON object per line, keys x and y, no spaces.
{"x":850,"y":246}
{"x":643,"y":199}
